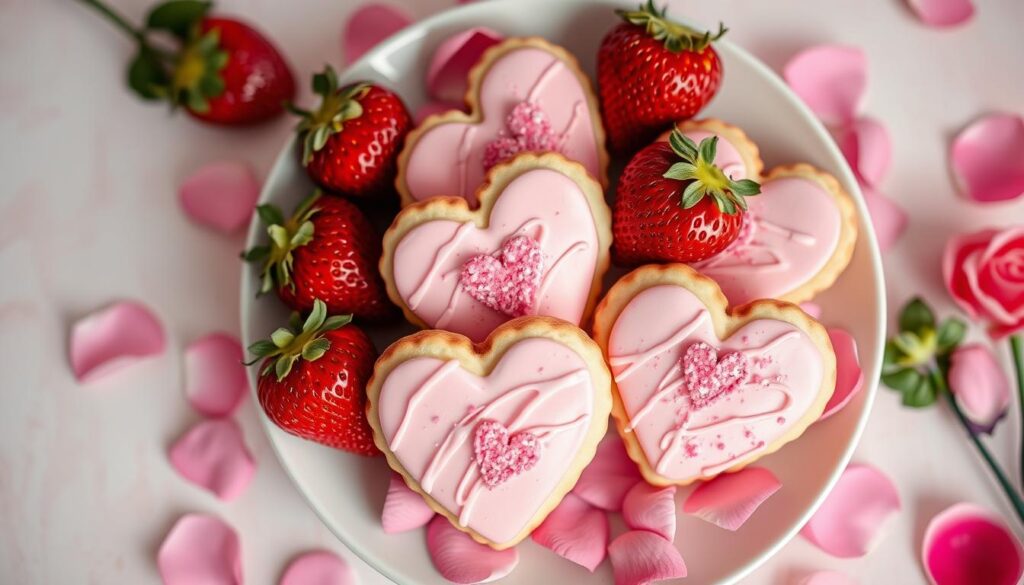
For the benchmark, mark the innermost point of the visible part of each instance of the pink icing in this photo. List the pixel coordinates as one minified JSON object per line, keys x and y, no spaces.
{"x":543,"y":204}
{"x":792,"y":231}
{"x":508,"y":282}
{"x":555,"y":406}
{"x":684,"y":440}
{"x":501,"y":456}
{"x":448,"y":159}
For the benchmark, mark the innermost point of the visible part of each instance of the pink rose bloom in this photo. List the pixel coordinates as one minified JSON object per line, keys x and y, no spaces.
{"x":984,"y":273}
{"x":979,"y":385}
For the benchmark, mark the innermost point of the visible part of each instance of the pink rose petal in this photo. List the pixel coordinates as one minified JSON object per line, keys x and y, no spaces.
{"x":404,"y":509}
{"x":942,"y":13}
{"x":215,"y":381}
{"x":848,"y":523}
{"x":868,"y":149}
{"x":609,"y":476}
{"x":639,"y":557}
{"x":213,"y":456}
{"x":576,"y":531}
{"x":111,"y":338}
{"x":980,"y":385}
{"x":849,"y":377}
{"x":888,"y":218}
{"x":827,"y":578}
{"x":369,"y":25}
{"x":200,"y":549}
{"x":432,"y":108}
{"x":730,"y":499}
{"x":812,"y":309}
{"x":318,"y":568}
{"x":220,"y":195}
{"x":968,"y":545}
{"x":460,"y":559}
{"x":988,"y":159}
{"x":831,"y":80}
{"x":450,"y":65}
{"x":651,"y":508}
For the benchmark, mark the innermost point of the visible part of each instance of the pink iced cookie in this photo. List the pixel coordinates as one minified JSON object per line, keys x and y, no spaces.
{"x":703,"y":391}
{"x":525,"y":95}
{"x":799,"y":233}
{"x":492,"y":436}
{"x":538,"y":245}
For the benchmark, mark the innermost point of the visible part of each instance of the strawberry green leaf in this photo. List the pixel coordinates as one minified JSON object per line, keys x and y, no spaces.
{"x":745,"y":188}
{"x":283,"y":367}
{"x":709,"y":148}
{"x":674,"y":35}
{"x":270,"y":214}
{"x":282,"y":337}
{"x":262,"y":348}
{"x":681,"y":171}
{"x":315,"y":349}
{"x":335,"y":322}
{"x":177,"y":17}
{"x":692,"y":195}
{"x":316,"y":317}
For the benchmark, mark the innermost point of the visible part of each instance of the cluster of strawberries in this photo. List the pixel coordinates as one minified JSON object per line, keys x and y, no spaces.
{"x":672,"y":203}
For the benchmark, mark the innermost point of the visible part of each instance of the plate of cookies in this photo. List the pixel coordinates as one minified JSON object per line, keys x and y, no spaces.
{"x":562,"y":291}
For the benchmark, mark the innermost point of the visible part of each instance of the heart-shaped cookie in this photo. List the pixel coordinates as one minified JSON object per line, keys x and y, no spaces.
{"x":700,"y":390}
{"x":493,"y":436}
{"x":799,"y":233}
{"x":538,"y":245}
{"x":524,"y":95}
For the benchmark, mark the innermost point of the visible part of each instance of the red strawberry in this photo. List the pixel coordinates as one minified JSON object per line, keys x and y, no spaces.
{"x":651,"y":73}
{"x":313,"y":380}
{"x":327,"y":250}
{"x":350,"y":145}
{"x":223,"y":72}
{"x":674,"y":205}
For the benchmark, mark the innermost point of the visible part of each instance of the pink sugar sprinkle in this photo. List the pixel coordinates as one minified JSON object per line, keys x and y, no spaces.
{"x":434,"y":419}
{"x":720,"y":446}
{"x":507,"y":282}
{"x":708,"y":377}
{"x":691,"y":450}
{"x":500,"y":456}
{"x":529,"y":130}
{"x":781,"y":420}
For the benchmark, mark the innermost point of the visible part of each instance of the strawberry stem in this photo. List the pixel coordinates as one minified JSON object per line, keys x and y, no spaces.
{"x":705,"y":178}
{"x":677,"y":37}
{"x":300,"y":340}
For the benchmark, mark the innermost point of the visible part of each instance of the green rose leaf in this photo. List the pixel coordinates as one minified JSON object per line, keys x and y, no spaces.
{"x":922,"y":395}
{"x":904,"y":380}
{"x":177,"y":16}
{"x":916,"y":317}
{"x":891,"y":357}
{"x":951,"y":333}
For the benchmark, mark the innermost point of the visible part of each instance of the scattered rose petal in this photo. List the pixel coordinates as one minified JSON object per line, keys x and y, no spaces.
{"x":888,"y":218}
{"x":831,"y":80}
{"x":200,"y":549}
{"x":730,"y":499}
{"x":215,"y":381}
{"x":868,"y":149}
{"x":220,"y":195}
{"x":404,"y":509}
{"x":812,"y":309}
{"x":368,"y":26}
{"x":639,"y":557}
{"x":213,"y":456}
{"x":576,"y":531}
{"x":979,"y":385}
{"x":111,"y":338}
{"x":827,"y":578}
{"x":609,"y":476}
{"x":849,"y":377}
{"x":647,"y":507}
{"x":450,"y":65}
{"x":460,"y":559}
{"x":318,"y":568}
{"x":988,"y":159}
{"x":848,"y":522}
{"x":968,"y":545}
{"x":942,"y":13}
{"x":430,"y":108}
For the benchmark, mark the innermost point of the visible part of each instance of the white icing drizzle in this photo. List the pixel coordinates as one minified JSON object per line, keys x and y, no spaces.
{"x":442,"y":254}
{"x":634,"y":361}
{"x":578,"y":246}
{"x":542,"y":80}
{"x":664,"y":389}
{"x":758,"y":254}
{"x":462,"y":159}
{"x":577,"y":112}
{"x":439,"y":374}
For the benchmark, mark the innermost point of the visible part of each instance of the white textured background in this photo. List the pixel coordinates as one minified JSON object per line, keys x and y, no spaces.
{"x":88,"y":213}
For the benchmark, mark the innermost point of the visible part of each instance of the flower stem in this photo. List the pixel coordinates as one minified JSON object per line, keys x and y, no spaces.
{"x":118,"y":20}
{"x":1017,"y":352}
{"x":993,"y":465}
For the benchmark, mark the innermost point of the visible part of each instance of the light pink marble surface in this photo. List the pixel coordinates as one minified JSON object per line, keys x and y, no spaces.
{"x":89,"y":213}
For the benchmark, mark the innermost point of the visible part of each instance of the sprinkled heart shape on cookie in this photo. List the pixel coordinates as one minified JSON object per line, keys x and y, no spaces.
{"x":706,"y":377}
{"x":506,"y":282}
{"x":501,"y":456}
{"x":525,"y":95}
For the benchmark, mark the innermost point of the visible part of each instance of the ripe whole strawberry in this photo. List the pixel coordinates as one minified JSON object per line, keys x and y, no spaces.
{"x":223,"y":71}
{"x":674,"y":205}
{"x":350,"y":144}
{"x":651,"y":73}
{"x":313,"y":378}
{"x":328,"y":251}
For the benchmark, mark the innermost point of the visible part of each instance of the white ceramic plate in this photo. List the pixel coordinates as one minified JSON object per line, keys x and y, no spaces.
{"x":347,"y":491}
